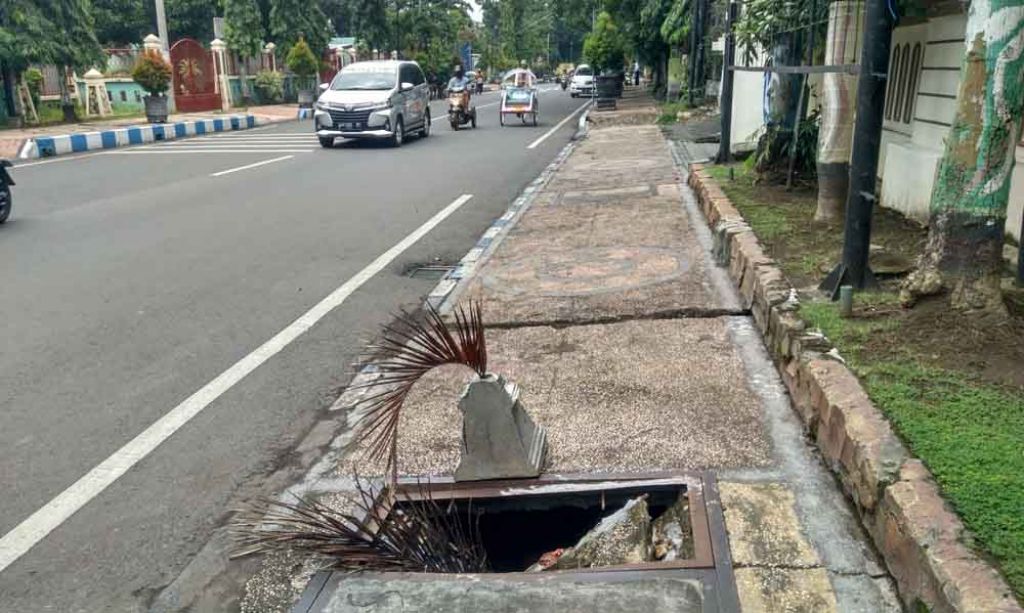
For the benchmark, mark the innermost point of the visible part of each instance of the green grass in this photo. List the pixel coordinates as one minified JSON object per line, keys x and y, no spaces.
{"x":670,"y":110}
{"x":969,"y":433}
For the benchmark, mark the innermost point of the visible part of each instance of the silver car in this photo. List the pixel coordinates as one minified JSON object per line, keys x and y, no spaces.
{"x":385,"y":99}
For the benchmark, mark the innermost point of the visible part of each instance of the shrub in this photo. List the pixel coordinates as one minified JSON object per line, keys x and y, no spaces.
{"x":604,"y":48}
{"x":152,"y":72}
{"x":270,"y":85}
{"x":34,"y":81}
{"x":301,"y":60}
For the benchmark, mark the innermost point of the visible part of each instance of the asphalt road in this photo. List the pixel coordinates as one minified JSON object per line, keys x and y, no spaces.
{"x":133,"y":278}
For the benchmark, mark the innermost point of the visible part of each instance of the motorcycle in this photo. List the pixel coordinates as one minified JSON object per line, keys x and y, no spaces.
{"x":565,"y":82}
{"x":6,"y":182}
{"x":460,"y":109}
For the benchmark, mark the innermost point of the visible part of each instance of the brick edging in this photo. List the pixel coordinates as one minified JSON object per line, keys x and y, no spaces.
{"x":895,"y":495}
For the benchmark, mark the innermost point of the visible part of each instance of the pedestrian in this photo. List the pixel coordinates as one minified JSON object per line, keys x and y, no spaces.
{"x":636,"y":73}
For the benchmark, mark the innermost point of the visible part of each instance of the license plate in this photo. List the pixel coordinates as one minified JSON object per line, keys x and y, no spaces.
{"x":351,"y":126}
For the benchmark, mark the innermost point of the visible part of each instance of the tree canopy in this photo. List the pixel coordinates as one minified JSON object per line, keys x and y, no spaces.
{"x":603,"y":48}
{"x":48,"y":31}
{"x":243,"y":27}
{"x":294,"y":19}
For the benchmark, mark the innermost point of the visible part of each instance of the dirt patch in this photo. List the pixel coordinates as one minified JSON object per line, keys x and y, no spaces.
{"x":991,"y":349}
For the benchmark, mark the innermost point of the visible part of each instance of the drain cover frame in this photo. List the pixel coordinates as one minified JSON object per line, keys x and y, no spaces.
{"x":711,"y":564}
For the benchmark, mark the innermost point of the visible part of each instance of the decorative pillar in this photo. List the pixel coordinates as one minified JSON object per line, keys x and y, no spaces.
{"x":221,"y":81}
{"x":152,"y":42}
{"x":97,"y":101}
{"x":269,"y":49}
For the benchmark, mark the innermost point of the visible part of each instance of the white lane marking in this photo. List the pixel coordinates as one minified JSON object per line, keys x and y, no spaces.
{"x":543,"y":138}
{"x":33,"y":529}
{"x":67,"y":159}
{"x":253,"y":165}
{"x":166,"y":150}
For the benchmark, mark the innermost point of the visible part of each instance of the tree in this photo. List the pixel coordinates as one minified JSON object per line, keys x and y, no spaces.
{"x":603,"y":49}
{"x":243,"y":32}
{"x":25,"y":37}
{"x":291,"y":20}
{"x":301,"y":61}
{"x":191,"y":18}
{"x":963,"y":255}
{"x":838,"y":102}
{"x":371,"y":22}
{"x":122,"y":22}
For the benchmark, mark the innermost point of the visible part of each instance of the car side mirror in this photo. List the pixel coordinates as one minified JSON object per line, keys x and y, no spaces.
{"x":406,"y":87}
{"x":323,"y":87}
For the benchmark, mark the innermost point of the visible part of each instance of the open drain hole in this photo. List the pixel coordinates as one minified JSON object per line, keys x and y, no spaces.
{"x":434,"y":270}
{"x":521,"y":521}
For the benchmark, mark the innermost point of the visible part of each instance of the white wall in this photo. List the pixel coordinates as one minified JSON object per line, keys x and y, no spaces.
{"x":747,"y":105}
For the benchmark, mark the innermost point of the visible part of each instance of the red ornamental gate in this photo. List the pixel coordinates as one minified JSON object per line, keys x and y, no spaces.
{"x":194,"y":77}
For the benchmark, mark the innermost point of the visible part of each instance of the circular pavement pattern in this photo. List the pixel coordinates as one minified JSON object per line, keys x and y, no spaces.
{"x":587,"y":271}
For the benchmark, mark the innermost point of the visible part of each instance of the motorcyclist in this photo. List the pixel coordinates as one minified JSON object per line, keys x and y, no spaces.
{"x":459,"y":82}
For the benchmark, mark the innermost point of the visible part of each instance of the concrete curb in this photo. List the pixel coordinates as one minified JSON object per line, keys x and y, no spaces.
{"x":81,"y":142}
{"x":896,"y":497}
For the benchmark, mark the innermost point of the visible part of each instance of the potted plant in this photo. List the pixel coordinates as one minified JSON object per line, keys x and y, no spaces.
{"x":270,"y":86}
{"x":153,"y":73}
{"x":304,"y":65}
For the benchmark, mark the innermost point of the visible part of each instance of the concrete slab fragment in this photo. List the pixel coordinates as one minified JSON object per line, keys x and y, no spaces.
{"x":763,"y":526}
{"x":454,"y":594}
{"x":780,"y":590}
{"x":632,"y":396}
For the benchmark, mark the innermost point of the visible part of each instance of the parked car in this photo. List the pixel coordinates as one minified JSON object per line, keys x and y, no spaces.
{"x":384,"y":99}
{"x":582,"y":83}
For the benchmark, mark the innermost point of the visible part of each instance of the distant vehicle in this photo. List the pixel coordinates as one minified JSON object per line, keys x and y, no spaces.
{"x":382,"y":99}
{"x":582,"y":83}
{"x":6,"y":200}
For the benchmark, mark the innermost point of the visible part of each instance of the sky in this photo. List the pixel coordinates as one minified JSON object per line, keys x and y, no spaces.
{"x":477,"y":14}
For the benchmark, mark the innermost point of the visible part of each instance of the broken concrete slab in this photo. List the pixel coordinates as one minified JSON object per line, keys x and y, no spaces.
{"x":499,"y":440}
{"x":631,"y":396}
{"x":473,"y":594}
{"x":672,"y":534}
{"x":624,"y":537}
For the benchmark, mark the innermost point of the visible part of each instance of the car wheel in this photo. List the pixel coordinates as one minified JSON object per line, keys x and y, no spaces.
{"x":5,"y":202}
{"x":327,"y":142}
{"x":425,"y":132}
{"x":398,"y":136}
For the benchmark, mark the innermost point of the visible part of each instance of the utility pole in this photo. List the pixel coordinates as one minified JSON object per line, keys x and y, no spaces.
{"x":867,"y":134}
{"x":161,"y":26}
{"x":725,"y":140}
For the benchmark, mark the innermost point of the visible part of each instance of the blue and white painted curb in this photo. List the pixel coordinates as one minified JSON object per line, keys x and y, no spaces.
{"x":80,"y":142}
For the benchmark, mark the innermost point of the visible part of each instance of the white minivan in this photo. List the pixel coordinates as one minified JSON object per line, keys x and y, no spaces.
{"x":582,"y":83}
{"x":385,"y":99}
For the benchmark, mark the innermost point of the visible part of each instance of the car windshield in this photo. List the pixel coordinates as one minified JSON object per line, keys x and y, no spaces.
{"x":365,"y":79}
{"x":584,"y":71}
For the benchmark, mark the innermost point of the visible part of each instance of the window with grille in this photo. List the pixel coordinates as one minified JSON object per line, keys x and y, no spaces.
{"x":905,"y":60}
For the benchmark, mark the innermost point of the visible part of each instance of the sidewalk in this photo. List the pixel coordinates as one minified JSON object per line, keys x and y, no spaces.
{"x":11,"y":140}
{"x":633,"y":350}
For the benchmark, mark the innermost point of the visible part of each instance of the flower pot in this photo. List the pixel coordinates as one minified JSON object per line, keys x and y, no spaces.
{"x":156,"y":108}
{"x":305,"y":98}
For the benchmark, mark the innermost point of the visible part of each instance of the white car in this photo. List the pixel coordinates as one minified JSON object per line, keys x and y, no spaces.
{"x":378,"y":99}
{"x":582,"y":83}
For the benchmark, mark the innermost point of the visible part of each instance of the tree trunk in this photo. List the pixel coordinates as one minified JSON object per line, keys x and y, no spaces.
{"x":243,"y":81}
{"x":66,"y":103}
{"x":838,"y":103}
{"x":10,"y":96}
{"x":784,"y":89}
{"x":963,"y":255}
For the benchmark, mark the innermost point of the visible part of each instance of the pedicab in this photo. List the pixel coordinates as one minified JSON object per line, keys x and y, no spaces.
{"x":519,"y":96}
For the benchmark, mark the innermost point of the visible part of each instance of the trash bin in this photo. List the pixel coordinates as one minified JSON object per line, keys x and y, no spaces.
{"x":607,"y":86}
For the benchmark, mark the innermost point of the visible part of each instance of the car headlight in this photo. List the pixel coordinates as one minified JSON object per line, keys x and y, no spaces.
{"x":380,"y":106}
{"x":320,"y":106}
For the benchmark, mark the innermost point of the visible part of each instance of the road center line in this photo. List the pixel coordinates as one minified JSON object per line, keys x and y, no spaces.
{"x":543,"y":138}
{"x":33,"y":529}
{"x":253,"y":165}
